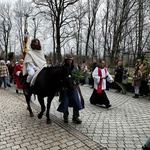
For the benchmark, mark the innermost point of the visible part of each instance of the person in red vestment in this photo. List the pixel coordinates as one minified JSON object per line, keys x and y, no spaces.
{"x":17,"y":70}
{"x":100,"y":75}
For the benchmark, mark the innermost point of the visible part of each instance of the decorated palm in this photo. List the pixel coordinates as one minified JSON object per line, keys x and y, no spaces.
{"x":77,"y":75}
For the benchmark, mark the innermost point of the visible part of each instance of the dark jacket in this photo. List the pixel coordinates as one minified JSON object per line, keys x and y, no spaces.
{"x":68,"y":81}
{"x":93,"y":66}
{"x":118,"y":73}
{"x":69,"y":97}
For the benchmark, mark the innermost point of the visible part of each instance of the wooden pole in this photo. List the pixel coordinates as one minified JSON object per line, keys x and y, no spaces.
{"x":26,"y":36}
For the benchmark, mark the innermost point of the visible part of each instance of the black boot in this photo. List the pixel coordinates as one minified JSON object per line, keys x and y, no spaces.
{"x":145,"y":148}
{"x":108,"y":106}
{"x":76,"y":120}
{"x":8,"y":85}
{"x":66,"y":116}
{"x":65,"y":119}
{"x":136,"y":96}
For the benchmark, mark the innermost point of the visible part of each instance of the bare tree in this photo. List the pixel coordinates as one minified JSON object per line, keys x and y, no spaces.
{"x":129,"y":21}
{"x":140,"y":26}
{"x":92,"y":11}
{"x":5,"y":26}
{"x":118,"y":17}
{"x":77,"y":28}
{"x":143,"y":25}
{"x":57,"y":10}
{"x":105,"y":29}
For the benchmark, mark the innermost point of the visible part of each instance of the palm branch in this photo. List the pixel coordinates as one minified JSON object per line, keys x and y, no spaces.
{"x":77,"y":74}
{"x":122,"y":87}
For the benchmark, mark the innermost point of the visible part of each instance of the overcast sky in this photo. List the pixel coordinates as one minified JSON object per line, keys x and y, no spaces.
{"x":12,"y":1}
{"x":7,"y":1}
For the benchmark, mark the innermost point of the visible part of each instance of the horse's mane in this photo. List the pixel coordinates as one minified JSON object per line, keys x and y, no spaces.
{"x":49,"y":77}
{"x":54,"y":73}
{"x":52,"y":68}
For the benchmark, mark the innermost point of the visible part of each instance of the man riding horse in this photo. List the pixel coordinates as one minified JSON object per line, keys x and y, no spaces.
{"x":48,"y":81}
{"x":34,"y":62}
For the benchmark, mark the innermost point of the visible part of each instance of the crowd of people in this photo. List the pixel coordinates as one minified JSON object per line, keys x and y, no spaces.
{"x":139,"y":75}
{"x":10,"y":70}
{"x":9,"y":73}
{"x":96,"y":74}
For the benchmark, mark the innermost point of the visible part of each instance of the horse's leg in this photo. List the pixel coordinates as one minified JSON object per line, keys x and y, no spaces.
{"x":28,"y":100}
{"x":41,"y":101}
{"x":49,"y":100}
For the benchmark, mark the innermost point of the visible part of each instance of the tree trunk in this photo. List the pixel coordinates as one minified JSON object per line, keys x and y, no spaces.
{"x":140,"y":34}
{"x":58,"y":47}
{"x":106,"y":29}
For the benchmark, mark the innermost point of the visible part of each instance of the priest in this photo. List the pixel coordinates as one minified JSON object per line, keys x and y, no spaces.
{"x":100,"y":75}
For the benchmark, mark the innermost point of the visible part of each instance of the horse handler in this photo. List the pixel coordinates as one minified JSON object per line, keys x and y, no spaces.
{"x":72,"y":96}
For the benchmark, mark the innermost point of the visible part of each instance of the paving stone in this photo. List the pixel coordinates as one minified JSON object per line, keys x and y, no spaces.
{"x":20,"y":132}
{"x":15,"y":147}
{"x":127,"y":121}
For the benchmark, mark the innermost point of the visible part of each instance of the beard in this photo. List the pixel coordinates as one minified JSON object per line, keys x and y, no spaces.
{"x":36,"y":47}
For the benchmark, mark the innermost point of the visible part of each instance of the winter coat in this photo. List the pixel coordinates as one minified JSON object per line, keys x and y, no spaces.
{"x":137,"y":77}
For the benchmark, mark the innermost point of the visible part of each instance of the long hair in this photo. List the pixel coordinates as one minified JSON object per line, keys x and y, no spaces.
{"x":35,"y":47}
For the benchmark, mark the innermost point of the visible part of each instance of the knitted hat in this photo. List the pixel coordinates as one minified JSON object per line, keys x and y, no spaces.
{"x":2,"y":61}
{"x":68,"y":56}
{"x":8,"y":62}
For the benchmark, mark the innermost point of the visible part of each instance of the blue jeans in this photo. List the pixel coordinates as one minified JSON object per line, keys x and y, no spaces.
{"x":3,"y":79}
{"x":8,"y":79}
{"x":86,"y":79}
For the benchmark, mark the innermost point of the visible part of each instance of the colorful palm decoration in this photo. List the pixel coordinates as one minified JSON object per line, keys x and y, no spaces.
{"x":77,"y":75}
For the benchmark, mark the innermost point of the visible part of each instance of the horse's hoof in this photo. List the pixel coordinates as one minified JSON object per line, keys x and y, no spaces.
{"x":49,"y":121}
{"x":31,"y":115}
{"x":39,"y":116}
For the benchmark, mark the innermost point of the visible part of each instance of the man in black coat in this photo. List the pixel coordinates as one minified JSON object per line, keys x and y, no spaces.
{"x":119,"y":74}
{"x":69,"y":97}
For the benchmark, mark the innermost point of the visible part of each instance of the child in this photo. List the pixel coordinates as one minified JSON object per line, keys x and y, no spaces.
{"x":3,"y":73}
{"x":137,"y":76}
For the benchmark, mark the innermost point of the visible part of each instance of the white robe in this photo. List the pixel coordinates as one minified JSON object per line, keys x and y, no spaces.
{"x":34,"y":59}
{"x":96,"y":78}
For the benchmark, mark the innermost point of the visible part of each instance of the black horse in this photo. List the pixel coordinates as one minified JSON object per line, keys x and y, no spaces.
{"x":48,"y":81}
